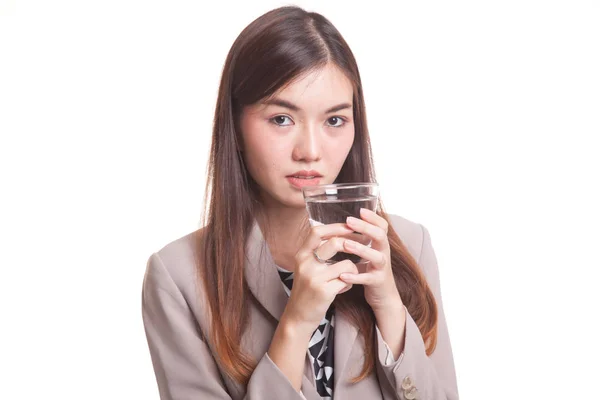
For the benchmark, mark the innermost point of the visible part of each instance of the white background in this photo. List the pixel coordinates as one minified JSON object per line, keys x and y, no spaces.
{"x":484,"y":119}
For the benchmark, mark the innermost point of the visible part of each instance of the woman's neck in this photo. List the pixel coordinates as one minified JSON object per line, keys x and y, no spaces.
{"x":285,"y":230}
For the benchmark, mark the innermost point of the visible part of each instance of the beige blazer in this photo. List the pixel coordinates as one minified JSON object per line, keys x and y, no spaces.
{"x":175,"y":323}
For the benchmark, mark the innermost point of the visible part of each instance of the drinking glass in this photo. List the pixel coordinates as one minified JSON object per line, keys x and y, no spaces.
{"x":333,"y":203}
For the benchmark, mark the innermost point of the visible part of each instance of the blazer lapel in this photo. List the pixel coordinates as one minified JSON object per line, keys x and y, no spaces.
{"x":261,"y":274}
{"x":344,"y":338}
{"x":266,"y":286}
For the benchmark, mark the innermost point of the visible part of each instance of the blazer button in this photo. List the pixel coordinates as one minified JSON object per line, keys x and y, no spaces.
{"x":407,"y":383}
{"x":411,"y":394}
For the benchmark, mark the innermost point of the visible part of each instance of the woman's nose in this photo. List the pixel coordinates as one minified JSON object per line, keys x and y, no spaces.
{"x":308,"y":147}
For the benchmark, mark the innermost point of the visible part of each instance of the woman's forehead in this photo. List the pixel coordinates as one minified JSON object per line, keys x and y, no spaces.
{"x":314,"y":91}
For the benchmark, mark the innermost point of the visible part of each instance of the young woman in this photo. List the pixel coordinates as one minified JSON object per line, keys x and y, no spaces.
{"x":222,"y":318}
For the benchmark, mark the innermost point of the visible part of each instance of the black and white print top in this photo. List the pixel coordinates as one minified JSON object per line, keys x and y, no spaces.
{"x":320,"y":347}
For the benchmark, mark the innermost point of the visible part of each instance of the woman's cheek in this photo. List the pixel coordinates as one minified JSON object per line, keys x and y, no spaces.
{"x":341,"y":144}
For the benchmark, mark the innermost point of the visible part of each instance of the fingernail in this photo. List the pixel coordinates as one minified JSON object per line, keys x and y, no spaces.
{"x":351,"y":220}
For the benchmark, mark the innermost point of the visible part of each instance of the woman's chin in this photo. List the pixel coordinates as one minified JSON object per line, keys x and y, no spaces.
{"x":297,"y":202}
{"x":291,"y":198}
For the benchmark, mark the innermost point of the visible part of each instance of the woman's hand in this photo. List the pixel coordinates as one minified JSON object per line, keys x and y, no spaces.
{"x":380,"y":287}
{"x":316,"y":284}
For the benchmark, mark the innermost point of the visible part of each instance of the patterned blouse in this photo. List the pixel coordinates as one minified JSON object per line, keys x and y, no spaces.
{"x":321,"y":343}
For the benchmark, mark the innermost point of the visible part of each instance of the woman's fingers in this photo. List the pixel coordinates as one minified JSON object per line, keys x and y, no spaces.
{"x":376,"y":257}
{"x":348,"y":287}
{"x":320,"y":233}
{"x":374,"y":218}
{"x":375,"y":232}
{"x":330,"y":248}
{"x":332,"y":276}
{"x":334,"y":271}
{"x":337,"y":286}
{"x":334,"y":245}
{"x":366,"y":278}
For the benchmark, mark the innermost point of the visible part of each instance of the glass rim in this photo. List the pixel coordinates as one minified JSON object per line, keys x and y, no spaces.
{"x":340,"y":186}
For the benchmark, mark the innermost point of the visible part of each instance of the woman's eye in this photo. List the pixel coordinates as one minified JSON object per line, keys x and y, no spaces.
{"x":336,"y":122}
{"x":280,"y":120}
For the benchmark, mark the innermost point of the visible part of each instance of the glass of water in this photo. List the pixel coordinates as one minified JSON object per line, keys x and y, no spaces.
{"x":333,"y":203}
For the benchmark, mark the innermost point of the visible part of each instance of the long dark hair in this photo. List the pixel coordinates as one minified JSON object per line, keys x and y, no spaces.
{"x":268,"y":54}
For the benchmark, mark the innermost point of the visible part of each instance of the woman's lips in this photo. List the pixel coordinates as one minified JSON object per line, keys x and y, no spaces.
{"x":301,"y":182}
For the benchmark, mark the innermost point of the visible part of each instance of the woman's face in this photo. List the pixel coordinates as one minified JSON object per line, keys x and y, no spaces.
{"x":307,"y":126}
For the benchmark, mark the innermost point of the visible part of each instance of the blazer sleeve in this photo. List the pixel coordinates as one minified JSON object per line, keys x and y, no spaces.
{"x":414,"y":374}
{"x":183,"y":363}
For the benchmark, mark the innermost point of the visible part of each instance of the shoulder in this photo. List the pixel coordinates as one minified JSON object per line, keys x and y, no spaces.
{"x":417,"y":239}
{"x":410,"y":232}
{"x":177,"y":263}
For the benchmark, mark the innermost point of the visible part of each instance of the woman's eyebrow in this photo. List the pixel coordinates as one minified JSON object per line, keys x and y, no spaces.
{"x":293,"y":107}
